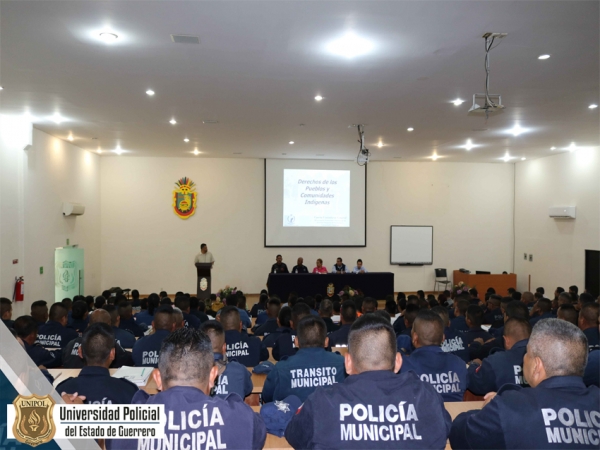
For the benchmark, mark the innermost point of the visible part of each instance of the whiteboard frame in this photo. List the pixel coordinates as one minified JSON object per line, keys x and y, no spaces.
{"x":411,"y":264}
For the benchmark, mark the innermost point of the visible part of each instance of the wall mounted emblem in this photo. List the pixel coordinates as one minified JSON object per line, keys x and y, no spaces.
{"x":184,"y":198}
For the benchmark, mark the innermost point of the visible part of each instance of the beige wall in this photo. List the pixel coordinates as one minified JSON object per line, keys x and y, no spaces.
{"x":558,"y":246}
{"x":146,"y":246}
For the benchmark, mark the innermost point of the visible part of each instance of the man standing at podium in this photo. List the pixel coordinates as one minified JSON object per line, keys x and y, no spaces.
{"x":204,"y":256}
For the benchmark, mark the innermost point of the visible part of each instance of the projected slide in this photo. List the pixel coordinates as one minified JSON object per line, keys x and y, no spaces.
{"x":316,"y":198}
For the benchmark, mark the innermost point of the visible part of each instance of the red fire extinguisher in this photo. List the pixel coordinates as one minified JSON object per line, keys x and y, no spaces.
{"x":19,"y":291}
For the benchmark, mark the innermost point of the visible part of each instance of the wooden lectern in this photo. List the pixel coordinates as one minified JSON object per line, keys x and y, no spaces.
{"x":482,"y":282}
{"x":203,"y":283}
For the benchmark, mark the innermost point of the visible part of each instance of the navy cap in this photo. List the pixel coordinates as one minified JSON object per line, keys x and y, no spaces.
{"x":264,"y":367}
{"x":278,"y":414}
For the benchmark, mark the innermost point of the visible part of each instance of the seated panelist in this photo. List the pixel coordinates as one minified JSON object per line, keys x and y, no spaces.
{"x":359,"y":268}
{"x":320,"y":268}
{"x":279,"y":266}
{"x":300,"y":267}
{"x":339,"y":267}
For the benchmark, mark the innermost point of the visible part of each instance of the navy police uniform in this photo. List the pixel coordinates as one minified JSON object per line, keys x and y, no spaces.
{"x":269,"y":340}
{"x":270,"y":326}
{"x":473,"y":333}
{"x":197,"y":421}
{"x":372,"y":409}
{"x":498,"y":369}
{"x":476,"y":350}
{"x":300,"y":269}
{"x":340,"y":337}
{"x":331,"y":327}
{"x":43,"y":357}
{"x":446,"y":372}
{"x":147,"y":349}
{"x":536,"y":319}
{"x":245,"y":349}
{"x":79,"y":325}
{"x":302,"y":373}
{"x":132,"y":326}
{"x":592,"y":370}
{"x":453,"y":343}
{"x":284,"y":345}
{"x":560,"y":413}
{"x":191,"y":321}
{"x":9,"y":323}
{"x":98,"y":387}
{"x":124,"y":337}
{"x":71,"y":359}
{"x":233,"y":378}
{"x":399,"y":325}
{"x":593,"y":336}
{"x":54,"y":335}
{"x":459,"y":324}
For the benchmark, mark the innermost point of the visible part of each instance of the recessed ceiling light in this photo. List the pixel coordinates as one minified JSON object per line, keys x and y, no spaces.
{"x":434,"y":157}
{"x":196,"y":152}
{"x":150,"y":92}
{"x":350,"y":46}
{"x":523,"y":159}
{"x":318,"y":98}
{"x":506,"y":157}
{"x":108,"y":37}
{"x":469,"y":145}
{"x":1,"y":88}
{"x":457,"y":102}
{"x":546,"y":56}
{"x":552,"y":148}
{"x":516,"y":130}
{"x":118,"y":150}
{"x":99,"y":150}
{"x":380,"y":144}
{"x":593,"y":106}
{"x":70,"y":138}
{"x":291,"y":142}
{"x":186,"y":140}
{"x":57,"y":118}
{"x":571,"y":147}
{"x":410,"y":129}
{"x":172,"y":121}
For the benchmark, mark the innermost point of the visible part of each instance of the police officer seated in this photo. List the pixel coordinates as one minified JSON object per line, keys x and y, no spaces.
{"x":312,"y":366}
{"x":39,"y":312}
{"x":410,"y":313}
{"x":347,"y":318}
{"x":71,"y":357}
{"x":147,"y":349}
{"x":94,"y":381}
{"x":79,"y":316}
{"x":326,"y":312}
{"x":588,"y":323}
{"x":502,"y":367}
{"x":189,"y":320}
{"x":283,"y":326}
{"x":54,"y":333}
{"x":270,"y":326}
{"x":494,"y":315}
{"x":26,"y":328}
{"x":541,"y":310}
{"x":123,"y":337}
{"x":568,"y":313}
{"x":444,"y":371}
{"x":285,"y":344}
{"x":459,"y":322}
{"x":127,"y":321}
{"x":185,"y":375}
{"x":373,"y":407}
{"x":232,"y":377}
{"x":453,"y":341}
{"x":474,"y":320}
{"x":245,"y":349}
{"x":558,"y":412}
{"x":369,"y":305}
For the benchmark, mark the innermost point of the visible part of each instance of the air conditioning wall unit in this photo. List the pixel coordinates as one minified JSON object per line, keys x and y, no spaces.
{"x":562,"y":212}
{"x":73,"y":209}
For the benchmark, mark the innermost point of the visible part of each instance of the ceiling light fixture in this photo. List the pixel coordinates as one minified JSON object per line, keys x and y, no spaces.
{"x":172,"y":121}
{"x":291,"y":142}
{"x":572,"y":147}
{"x":469,"y":145}
{"x":350,"y":46}
{"x":523,"y":159}
{"x":70,"y":138}
{"x":150,"y":92}
{"x":434,"y":157}
{"x":318,"y":98}
{"x":546,"y":56}
{"x":57,"y":118}
{"x":410,"y":129}
{"x":99,"y":150}
{"x":118,"y":150}
{"x":380,"y":144}
{"x":593,"y":106}
{"x":196,"y":152}
{"x":1,"y":88}
{"x":516,"y":130}
{"x":457,"y":102}
{"x":186,"y":140}
{"x":108,"y":37}
{"x":506,"y":158}
{"x":552,"y":148}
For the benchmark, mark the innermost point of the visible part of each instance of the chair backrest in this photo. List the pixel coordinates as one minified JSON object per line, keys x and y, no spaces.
{"x":441,"y":273}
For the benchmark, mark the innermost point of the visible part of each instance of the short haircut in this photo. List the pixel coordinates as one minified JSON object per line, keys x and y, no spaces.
{"x":538,"y":295}
{"x":68,"y":303}
{"x":518,"y":329}
{"x":568,"y":312}
{"x":114,"y":313}
{"x":263,"y":299}
{"x":473,"y":292}
{"x":186,"y":356}
{"x":38,"y":309}
{"x":202,"y":246}
{"x":525,"y":297}
{"x":135,"y":293}
{"x":182,"y":303}
{"x":310,"y":301}
{"x":462,"y":306}
{"x":79,"y":309}
{"x":410,"y":313}
{"x":24,"y":326}
{"x":359,"y":260}
{"x":5,"y":305}
{"x":586,"y":298}
{"x":383,"y":313}
{"x":124,"y":308}
{"x":216,"y":333}
{"x":101,"y":316}
{"x":565,"y":298}
{"x":311,"y":331}
{"x":326,"y":306}
{"x":517,"y":295}
{"x":589,"y":313}
{"x":540,"y":290}
{"x":98,"y":341}
{"x":516,"y":309}
{"x":369,"y":304}
{"x":391,"y":307}
{"x":574,"y":289}
{"x":299,"y":311}
{"x":57,"y":312}
{"x":348,"y":311}
{"x":274,"y":304}
{"x":284,"y":317}
{"x":163,"y":318}
{"x":495,"y":300}
{"x":99,"y":302}
{"x":231,"y":300}
{"x":491,"y":290}
{"x":562,"y":347}
{"x":372,"y":344}
{"x":429,"y":328}
{"x":443,"y":313}
{"x":230,"y":318}
{"x":544,"y":305}
{"x":475,"y":315}
{"x":163,"y":294}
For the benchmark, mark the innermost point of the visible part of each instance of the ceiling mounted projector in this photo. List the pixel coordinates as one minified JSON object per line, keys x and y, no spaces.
{"x":363,"y":153}
{"x":489,"y":105}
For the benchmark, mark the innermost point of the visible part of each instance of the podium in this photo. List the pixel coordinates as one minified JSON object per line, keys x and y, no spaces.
{"x":482,"y":282}
{"x":203,"y":283}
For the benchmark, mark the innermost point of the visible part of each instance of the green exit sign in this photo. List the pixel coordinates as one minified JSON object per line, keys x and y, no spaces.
{"x":41,"y":270}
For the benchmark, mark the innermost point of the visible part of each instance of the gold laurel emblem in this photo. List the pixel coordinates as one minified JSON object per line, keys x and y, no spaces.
{"x":34,"y":424}
{"x":330,"y":290}
{"x":184,"y":198}
{"x":203,"y":284}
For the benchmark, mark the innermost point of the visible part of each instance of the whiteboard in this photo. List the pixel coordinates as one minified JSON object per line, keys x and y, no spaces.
{"x":411,"y":245}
